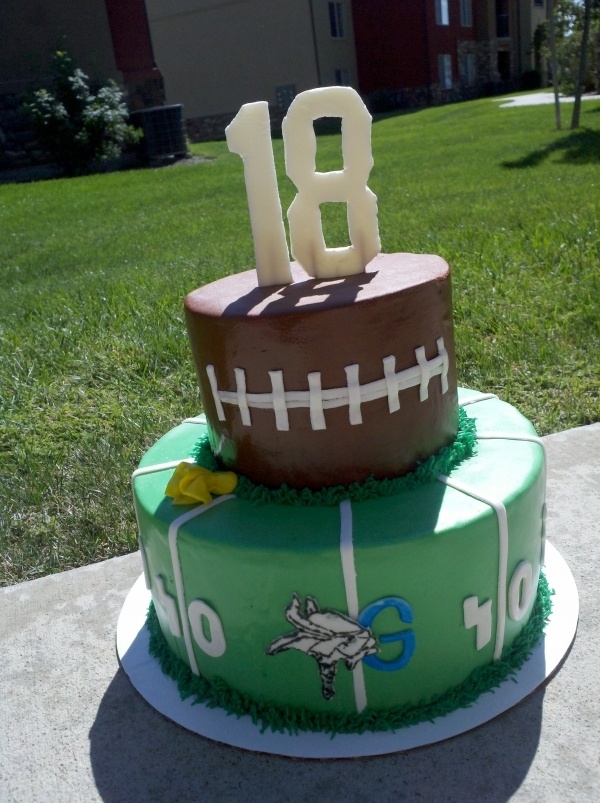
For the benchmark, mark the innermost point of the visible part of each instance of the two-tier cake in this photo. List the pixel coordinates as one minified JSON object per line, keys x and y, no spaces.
{"x":345,"y":540}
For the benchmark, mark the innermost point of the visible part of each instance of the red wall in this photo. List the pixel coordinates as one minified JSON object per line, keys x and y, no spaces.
{"x":131,"y":38}
{"x":398,"y":42}
{"x":444,"y":38}
{"x":391,"y":46}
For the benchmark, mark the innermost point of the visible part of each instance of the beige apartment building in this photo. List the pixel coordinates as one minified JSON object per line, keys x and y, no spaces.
{"x":213,"y":56}
{"x":508,"y":28}
{"x":216,"y":55}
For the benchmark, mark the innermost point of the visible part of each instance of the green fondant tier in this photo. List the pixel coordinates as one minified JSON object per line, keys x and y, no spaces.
{"x":216,"y":693}
{"x":368,"y":605}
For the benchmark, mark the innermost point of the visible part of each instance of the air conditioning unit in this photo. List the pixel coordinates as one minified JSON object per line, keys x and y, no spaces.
{"x":164,"y":132}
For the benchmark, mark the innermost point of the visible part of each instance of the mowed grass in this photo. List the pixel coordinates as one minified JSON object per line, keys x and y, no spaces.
{"x":94,"y":360}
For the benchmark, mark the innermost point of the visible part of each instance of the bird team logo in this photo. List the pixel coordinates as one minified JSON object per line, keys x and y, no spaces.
{"x":327,"y":636}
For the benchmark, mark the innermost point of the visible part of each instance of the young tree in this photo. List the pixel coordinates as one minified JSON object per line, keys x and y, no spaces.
{"x":79,"y":128}
{"x":583,"y":55}
{"x":553,"y":61}
{"x":567,"y":39}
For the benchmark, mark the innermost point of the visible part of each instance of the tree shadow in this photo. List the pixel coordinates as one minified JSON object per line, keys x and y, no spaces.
{"x":577,"y":147}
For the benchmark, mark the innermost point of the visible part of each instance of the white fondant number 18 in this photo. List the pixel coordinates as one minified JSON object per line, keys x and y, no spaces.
{"x":249,"y":136}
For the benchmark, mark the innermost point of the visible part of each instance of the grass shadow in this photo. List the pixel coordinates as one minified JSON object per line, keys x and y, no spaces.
{"x":577,"y":147}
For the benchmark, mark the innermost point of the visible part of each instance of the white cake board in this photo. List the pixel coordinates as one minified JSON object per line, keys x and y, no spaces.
{"x":161,"y":692}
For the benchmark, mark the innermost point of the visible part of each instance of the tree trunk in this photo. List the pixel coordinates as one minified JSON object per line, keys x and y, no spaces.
{"x":553,"y":61}
{"x":587,"y":16}
{"x":598,"y":61}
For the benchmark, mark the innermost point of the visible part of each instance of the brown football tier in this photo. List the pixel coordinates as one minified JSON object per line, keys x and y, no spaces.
{"x":401,"y":305}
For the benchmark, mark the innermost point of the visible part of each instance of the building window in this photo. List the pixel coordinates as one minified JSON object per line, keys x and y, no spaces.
{"x":466,"y":13}
{"x":504,"y":65}
{"x":470,"y":69}
{"x":285,"y":95}
{"x":502,"y":27}
{"x":342,"y":77}
{"x":336,"y":20}
{"x":442,"y":14}
{"x":538,"y":3}
{"x":445,"y":68}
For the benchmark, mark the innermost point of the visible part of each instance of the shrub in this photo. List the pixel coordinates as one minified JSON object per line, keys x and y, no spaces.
{"x":569,"y":55}
{"x":79,"y":128}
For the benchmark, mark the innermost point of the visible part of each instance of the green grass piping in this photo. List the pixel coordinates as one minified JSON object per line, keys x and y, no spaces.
{"x":442,"y":462}
{"x":217,"y":693}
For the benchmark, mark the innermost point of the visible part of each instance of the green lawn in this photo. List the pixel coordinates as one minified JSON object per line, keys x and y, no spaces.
{"x":94,"y":361}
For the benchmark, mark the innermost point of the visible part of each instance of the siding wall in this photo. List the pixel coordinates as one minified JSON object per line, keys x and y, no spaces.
{"x":216,"y":55}
{"x":31,"y":31}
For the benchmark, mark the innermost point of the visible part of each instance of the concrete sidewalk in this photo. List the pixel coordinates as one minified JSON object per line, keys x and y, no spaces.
{"x":76,"y":730}
{"x":538,"y":99}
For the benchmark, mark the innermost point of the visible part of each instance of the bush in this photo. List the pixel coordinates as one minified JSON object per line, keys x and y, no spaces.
{"x":81,"y":129}
{"x":569,"y":55}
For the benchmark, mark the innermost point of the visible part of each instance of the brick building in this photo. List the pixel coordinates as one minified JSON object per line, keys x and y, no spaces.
{"x":215,"y":55}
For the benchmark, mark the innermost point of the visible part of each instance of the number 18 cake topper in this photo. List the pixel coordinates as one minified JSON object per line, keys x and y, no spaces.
{"x":249,"y":136}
